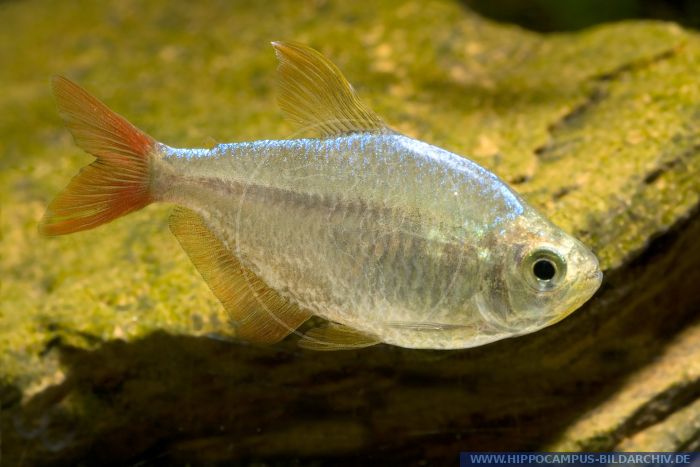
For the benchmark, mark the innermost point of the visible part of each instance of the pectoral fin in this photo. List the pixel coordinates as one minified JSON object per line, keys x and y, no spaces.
{"x":336,"y":336}
{"x":260,"y":314}
{"x":315,"y":95}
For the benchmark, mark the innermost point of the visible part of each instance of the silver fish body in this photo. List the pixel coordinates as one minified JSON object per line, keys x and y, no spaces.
{"x":382,"y":233}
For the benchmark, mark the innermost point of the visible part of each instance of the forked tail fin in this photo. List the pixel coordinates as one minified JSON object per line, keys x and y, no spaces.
{"x":117,"y":183}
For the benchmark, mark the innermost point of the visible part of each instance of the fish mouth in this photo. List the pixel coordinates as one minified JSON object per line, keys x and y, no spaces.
{"x":595,"y":276}
{"x":592,"y":282}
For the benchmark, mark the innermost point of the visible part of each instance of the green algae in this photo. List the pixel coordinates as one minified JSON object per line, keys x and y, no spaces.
{"x":597,"y":128}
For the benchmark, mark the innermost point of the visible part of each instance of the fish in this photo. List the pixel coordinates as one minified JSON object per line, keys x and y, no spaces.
{"x":389,"y":239}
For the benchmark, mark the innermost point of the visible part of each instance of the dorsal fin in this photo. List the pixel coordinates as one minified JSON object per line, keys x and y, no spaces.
{"x":210,"y":143}
{"x":314,"y":94}
{"x":260,"y":314}
{"x":336,"y":336}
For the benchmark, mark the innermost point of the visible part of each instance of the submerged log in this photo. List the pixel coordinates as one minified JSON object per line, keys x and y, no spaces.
{"x":106,"y":344}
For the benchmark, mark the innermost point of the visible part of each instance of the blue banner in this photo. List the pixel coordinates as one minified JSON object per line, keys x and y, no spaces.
{"x":573,"y":459}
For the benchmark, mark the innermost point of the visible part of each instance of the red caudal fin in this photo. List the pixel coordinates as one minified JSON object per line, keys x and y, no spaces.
{"x":117,"y":183}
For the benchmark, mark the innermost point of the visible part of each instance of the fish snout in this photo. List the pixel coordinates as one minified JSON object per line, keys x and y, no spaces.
{"x":595,"y":276}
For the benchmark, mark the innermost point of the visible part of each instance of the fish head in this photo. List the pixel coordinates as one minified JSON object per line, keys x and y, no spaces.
{"x":542,"y":275}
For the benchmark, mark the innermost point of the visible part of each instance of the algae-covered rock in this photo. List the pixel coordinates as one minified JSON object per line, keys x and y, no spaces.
{"x":105,"y":348}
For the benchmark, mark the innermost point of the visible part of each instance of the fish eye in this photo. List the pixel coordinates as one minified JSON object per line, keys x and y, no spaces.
{"x":544,"y":269}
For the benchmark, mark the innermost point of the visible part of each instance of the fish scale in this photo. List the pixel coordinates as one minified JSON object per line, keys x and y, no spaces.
{"x":335,"y":239}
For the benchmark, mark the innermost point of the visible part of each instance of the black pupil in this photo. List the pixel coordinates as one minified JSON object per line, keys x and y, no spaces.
{"x":544,"y":269}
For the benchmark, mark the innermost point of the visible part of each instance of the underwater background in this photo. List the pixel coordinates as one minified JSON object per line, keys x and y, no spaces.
{"x":555,"y":15}
{"x":113,"y":351}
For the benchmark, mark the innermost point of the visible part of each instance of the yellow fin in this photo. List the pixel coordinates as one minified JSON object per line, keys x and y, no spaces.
{"x":315,"y":94}
{"x":260,"y":314}
{"x":336,"y":336}
{"x":210,"y":143}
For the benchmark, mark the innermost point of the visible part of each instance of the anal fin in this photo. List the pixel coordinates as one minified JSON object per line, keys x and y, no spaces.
{"x":336,"y":336}
{"x":260,"y":314}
